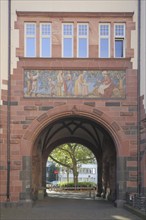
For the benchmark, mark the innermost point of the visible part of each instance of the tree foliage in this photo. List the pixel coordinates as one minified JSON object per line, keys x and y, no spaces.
{"x":71,"y":156}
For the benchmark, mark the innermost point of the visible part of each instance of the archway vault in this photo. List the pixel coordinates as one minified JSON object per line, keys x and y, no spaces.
{"x":60,"y":112}
{"x":71,"y":129}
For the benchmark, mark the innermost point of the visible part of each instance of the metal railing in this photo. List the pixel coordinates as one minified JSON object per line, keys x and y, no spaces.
{"x":136,"y":201}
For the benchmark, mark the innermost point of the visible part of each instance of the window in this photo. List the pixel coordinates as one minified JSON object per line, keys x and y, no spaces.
{"x":30,"y":39}
{"x":82,"y":41}
{"x":67,"y":44}
{"x":104,"y":40}
{"x":45,"y":41}
{"x":94,"y":171}
{"x":119,"y":40}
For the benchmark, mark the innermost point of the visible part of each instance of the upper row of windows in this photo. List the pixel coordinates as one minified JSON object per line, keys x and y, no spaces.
{"x":82,"y":40}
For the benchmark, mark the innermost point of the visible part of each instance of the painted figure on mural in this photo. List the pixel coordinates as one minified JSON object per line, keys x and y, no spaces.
{"x":122,"y":82}
{"x":32,"y":83}
{"x":51,"y":85}
{"x":120,"y":85}
{"x":61,"y":84}
{"x":106,"y":87}
{"x":69,"y":85}
{"x":81,"y":87}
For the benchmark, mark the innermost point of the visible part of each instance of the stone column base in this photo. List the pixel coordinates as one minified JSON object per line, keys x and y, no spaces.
{"x":119,"y":203}
{"x":22,"y":203}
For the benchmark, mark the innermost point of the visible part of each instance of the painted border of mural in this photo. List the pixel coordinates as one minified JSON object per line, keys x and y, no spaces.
{"x":75,"y":84}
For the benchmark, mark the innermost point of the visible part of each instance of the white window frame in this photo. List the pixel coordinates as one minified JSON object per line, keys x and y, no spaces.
{"x":29,"y":36}
{"x":83,"y":37}
{"x":45,"y":36}
{"x":104,"y":37}
{"x":69,"y":37}
{"x":119,"y":37}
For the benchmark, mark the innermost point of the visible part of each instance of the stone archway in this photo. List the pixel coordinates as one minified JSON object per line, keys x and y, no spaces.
{"x":82,"y":130}
{"x":37,"y":132}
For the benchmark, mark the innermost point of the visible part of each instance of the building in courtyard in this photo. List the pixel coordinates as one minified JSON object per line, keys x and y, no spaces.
{"x":72,"y":72}
{"x":86,"y":173}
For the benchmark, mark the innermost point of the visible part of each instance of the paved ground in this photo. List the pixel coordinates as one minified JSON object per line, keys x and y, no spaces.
{"x":68,"y":207}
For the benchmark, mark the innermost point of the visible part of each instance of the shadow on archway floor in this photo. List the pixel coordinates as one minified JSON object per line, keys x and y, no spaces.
{"x":68,"y":206}
{"x":87,"y":195}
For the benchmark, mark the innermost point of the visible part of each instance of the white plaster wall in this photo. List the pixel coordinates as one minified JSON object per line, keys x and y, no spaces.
{"x":3,"y":42}
{"x":143,"y":51}
{"x":62,"y":6}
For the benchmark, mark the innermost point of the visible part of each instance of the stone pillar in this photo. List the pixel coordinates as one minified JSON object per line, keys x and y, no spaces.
{"x":25,"y":177}
{"x":121,"y":181}
{"x":112,"y":180}
{"x":43,"y":172}
{"x":44,"y":175}
{"x":99,"y":178}
{"x":36,"y":173}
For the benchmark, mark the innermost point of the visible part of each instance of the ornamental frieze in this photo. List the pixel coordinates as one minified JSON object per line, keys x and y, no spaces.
{"x":74,"y":84}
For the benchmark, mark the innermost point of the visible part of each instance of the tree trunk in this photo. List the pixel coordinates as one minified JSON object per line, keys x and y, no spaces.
{"x":67,"y":172}
{"x":75,"y":171}
{"x":75,"y":175}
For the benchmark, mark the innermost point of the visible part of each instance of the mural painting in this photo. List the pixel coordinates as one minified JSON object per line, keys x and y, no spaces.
{"x":74,"y":83}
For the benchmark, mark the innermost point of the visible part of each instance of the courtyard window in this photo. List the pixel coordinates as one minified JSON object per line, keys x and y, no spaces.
{"x":45,"y":40}
{"x":30,"y":39}
{"x":119,"y":40}
{"x":104,"y":40}
{"x":67,"y":40}
{"x":82,"y":41}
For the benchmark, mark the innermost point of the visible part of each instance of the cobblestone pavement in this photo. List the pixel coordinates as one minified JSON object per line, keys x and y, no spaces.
{"x":59,"y":208}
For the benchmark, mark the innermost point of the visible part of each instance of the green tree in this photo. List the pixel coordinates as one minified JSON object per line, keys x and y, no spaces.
{"x":71,"y":155}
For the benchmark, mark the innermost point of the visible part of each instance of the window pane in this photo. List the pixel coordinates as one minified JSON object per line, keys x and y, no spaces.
{"x":104,"y":48}
{"x":104,"y":30}
{"x":119,"y":30}
{"x":68,"y":30}
{"x":118,"y":48}
{"x":67,"y":49}
{"x":83,"y":30}
{"x":30,"y":47}
{"x":46,"y":47}
{"x":30,"y":29}
{"x":46,"y":29}
{"x":82,"y":47}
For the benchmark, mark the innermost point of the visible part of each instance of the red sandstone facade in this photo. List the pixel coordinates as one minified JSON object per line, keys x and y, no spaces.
{"x":30,"y":116}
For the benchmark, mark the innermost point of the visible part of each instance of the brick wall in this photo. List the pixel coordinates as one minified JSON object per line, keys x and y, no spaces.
{"x":30,"y":115}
